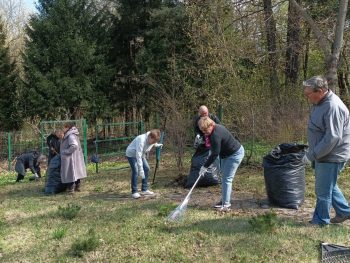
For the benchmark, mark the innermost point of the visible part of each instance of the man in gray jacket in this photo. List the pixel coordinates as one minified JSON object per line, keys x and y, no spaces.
{"x":329,"y":149}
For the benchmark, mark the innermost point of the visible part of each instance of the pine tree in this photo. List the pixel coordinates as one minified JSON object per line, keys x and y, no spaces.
{"x":128,"y":32}
{"x":9,"y":114}
{"x":65,"y":65}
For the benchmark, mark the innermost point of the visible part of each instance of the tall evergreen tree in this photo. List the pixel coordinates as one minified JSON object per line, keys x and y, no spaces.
{"x":9,"y":114}
{"x":65,"y":60}
{"x":166,"y":48}
{"x":130,"y":25}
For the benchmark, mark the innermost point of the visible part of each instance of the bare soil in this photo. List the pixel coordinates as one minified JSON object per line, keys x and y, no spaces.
{"x":244,"y":203}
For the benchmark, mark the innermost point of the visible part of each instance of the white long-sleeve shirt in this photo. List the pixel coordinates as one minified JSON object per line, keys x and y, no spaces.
{"x":138,"y":148}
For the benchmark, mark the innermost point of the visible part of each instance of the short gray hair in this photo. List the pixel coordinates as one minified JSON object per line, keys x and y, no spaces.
{"x":41,"y":159}
{"x":316,"y":83}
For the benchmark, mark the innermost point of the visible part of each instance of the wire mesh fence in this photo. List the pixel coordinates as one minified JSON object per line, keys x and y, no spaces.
{"x":258,"y":127}
{"x":112,"y":139}
{"x":48,"y":127}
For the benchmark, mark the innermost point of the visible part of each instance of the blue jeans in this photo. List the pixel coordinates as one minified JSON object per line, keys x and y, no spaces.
{"x":134,"y":174}
{"x":229,"y":167}
{"x":328,"y":193}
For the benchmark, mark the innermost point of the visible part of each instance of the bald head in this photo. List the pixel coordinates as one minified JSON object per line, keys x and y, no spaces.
{"x":203,"y":111}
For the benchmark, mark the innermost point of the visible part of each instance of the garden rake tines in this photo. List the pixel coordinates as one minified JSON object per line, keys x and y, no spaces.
{"x":178,"y":213}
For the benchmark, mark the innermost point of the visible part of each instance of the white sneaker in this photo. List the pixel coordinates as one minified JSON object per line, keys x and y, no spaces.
{"x":136,"y":195}
{"x":147,"y":192}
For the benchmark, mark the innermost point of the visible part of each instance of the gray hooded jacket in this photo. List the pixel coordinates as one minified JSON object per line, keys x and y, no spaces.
{"x":329,"y":131}
{"x":72,"y":158}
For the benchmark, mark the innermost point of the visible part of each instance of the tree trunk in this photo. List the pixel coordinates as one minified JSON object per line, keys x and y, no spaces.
{"x":307,"y":49}
{"x":332,"y":61}
{"x":331,"y":54}
{"x":293,"y":47}
{"x":270,"y":25}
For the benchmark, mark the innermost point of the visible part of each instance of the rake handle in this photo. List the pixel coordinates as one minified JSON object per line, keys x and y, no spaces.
{"x":194,"y":185}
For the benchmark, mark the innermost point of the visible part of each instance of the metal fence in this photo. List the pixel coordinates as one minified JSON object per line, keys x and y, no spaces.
{"x":258,"y":128}
{"x":112,"y":139}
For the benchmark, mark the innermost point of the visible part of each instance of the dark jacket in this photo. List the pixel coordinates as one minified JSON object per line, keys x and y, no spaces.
{"x":223,"y":144}
{"x":28,"y":160}
{"x":53,"y":143}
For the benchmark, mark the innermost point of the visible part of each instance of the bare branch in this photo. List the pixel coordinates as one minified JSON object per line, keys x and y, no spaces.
{"x":322,"y":40}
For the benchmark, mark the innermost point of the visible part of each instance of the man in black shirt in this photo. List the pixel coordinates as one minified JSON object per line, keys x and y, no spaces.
{"x":222,"y":144}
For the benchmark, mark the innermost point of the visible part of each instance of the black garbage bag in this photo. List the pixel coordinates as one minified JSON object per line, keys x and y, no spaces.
{"x":198,"y":159}
{"x":284,"y":174}
{"x":54,"y":183}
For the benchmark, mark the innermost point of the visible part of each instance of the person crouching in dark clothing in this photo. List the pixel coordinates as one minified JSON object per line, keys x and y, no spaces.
{"x":31,"y":160}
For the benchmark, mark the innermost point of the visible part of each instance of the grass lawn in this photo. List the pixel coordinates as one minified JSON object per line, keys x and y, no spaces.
{"x":103,"y":224}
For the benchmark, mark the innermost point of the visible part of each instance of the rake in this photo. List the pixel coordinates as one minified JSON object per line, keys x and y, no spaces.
{"x":178,"y":213}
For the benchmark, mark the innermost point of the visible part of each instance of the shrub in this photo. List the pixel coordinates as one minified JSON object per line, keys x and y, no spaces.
{"x":68,"y":212}
{"x":264,"y":223}
{"x":59,"y":233}
{"x":89,"y":243}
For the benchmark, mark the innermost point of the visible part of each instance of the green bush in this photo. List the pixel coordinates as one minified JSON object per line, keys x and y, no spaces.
{"x":89,"y":243}
{"x":69,"y":212}
{"x":264,"y":223}
{"x":59,"y":233}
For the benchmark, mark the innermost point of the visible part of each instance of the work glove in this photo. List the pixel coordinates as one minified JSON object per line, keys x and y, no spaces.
{"x":159,"y":145}
{"x":197,"y":141}
{"x":36,"y":177}
{"x":141,"y":173}
{"x":305,"y":160}
{"x":202,"y":171}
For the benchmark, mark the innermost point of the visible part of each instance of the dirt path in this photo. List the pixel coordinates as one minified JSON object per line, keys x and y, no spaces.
{"x":246,"y":204}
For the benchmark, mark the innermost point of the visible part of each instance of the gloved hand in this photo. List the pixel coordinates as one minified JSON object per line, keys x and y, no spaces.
{"x":197,"y":141}
{"x":202,"y":171}
{"x":305,"y":160}
{"x":36,"y":177}
{"x":142,"y":173}
{"x":160,"y":145}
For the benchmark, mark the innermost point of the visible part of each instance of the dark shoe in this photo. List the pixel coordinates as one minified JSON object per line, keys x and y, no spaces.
{"x":70,"y":189}
{"x":339,"y":219}
{"x":20,"y":178}
{"x":77,"y":188}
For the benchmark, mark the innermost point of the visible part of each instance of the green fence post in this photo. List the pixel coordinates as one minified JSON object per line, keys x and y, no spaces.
{"x":220,"y":113}
{"x":41,"y":134}
{"x":9,"y":150}
{"x":141,"y":129}
{"x":157,"y":120}
{"x":85,"y":141}
{"x":96,"y":145}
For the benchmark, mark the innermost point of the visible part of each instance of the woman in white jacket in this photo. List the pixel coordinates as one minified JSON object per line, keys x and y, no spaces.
{"x":136,"y":154}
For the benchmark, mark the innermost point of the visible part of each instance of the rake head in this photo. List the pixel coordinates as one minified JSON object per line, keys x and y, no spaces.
{"x":178,"y":213}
